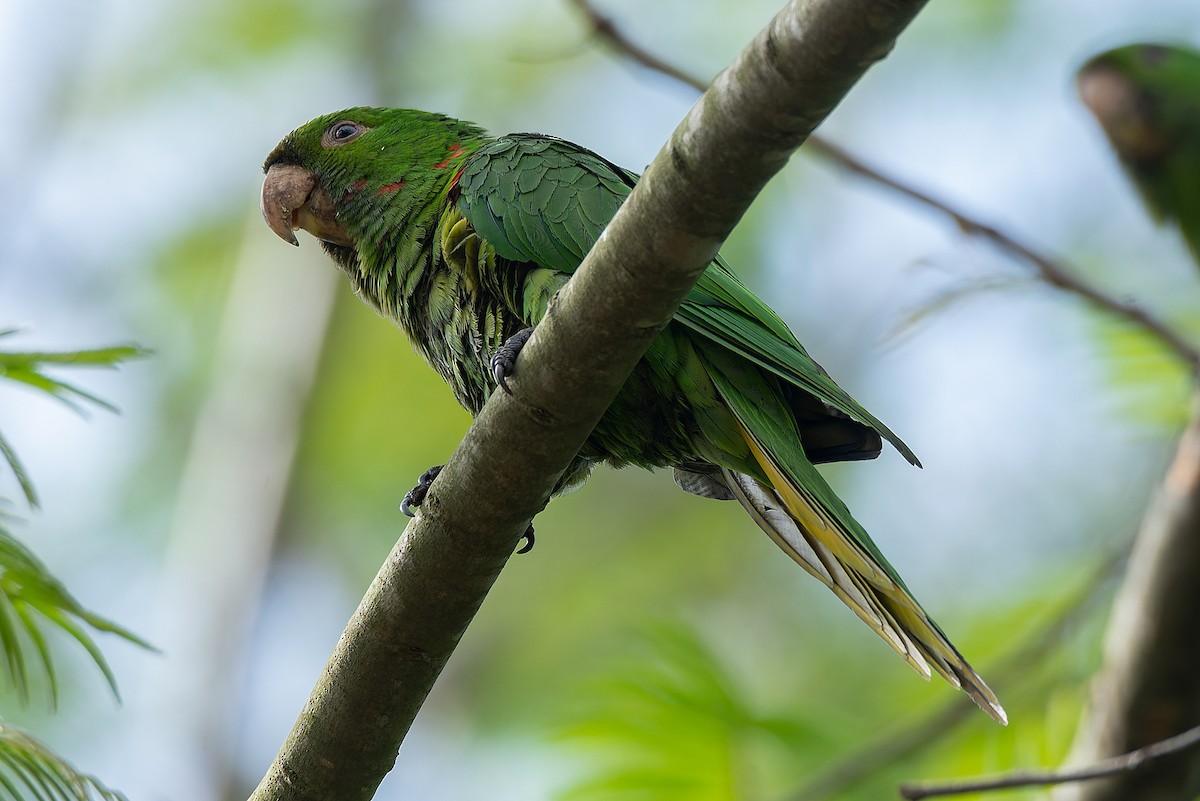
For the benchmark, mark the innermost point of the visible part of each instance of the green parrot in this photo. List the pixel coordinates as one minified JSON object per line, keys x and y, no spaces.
{"x":1147,"y":99}
{"x":463,"y":239}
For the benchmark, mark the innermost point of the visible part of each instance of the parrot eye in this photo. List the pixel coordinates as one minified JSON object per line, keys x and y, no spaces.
{"x":342,"y":132}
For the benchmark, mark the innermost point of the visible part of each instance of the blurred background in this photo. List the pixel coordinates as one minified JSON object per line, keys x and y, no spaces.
{"x":654,"y":644}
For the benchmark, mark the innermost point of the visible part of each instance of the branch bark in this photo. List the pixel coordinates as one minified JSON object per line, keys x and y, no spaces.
{"x":738,"y":135}
{"x":1149,"y":685}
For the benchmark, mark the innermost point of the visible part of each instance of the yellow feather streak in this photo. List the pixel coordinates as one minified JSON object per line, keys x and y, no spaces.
{"x":796,"y":523}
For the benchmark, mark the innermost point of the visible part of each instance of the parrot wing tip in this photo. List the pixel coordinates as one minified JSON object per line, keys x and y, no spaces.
{"x":986,"y":700}
{"x":996,"y":712}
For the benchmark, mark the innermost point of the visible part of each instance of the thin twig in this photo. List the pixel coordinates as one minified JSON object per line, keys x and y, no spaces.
{"x":1125,"y":763}
{"x":896,"y":745}
{"x":607,"y":30}
{"x":1052,"y":271}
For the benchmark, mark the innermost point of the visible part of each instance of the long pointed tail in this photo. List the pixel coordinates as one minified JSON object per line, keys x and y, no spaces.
{"x":816,"y":541}
{"x":790,"y":500}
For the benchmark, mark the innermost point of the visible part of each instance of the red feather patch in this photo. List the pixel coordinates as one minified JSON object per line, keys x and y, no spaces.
{"x":456,"y":150}
{"x":452,"y":193}
{"x":356,"y":187}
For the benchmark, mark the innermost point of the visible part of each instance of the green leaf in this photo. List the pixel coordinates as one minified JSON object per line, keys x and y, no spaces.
{"x":98,"y":357}
{"x":31,"y":597}
{"x":26,"y":761}
{"x":27,"y":367}
{"x":1153,"y":385}
{"x":26,"y":484}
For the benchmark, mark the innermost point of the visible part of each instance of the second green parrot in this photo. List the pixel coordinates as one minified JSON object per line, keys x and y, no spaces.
{"x":1147,"y":99}
{"x":463,"y":239}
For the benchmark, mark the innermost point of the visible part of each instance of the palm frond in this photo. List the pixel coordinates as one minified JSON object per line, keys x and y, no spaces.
{"x":28,"y":367}
{"x":30,"y":598}
{"x":30,"y":770}
{"x":10,"y":456}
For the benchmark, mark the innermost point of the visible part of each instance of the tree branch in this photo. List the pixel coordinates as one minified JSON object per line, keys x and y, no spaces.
{"x":1053,"y":271}
{"x":739,"y":134}
{"x":1126,"y":764}
{"x":1149,"y":685}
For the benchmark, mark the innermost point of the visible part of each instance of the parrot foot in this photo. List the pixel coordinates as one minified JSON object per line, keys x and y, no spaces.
{"x":417,"y":494}
{"x":528,"y":537}
{"x":504,"y":364}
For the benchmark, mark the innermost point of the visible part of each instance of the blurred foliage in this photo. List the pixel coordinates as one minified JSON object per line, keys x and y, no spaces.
{"x":230,"y":34}
{"x":31,"y":597}
{"x":668,"y":720}
{"x":1151,"y":386}
{"x":221,"y":39}
{"x":666,"y":715}
{"x":378,"y":419}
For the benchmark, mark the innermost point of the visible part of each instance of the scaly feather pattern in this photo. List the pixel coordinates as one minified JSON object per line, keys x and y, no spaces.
{"x":464,"y":239}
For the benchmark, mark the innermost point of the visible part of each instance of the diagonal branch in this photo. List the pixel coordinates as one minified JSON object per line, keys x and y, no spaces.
{"x":738,"y":135}
{"x":1126,"y":763}
{"x":1053,"y":271}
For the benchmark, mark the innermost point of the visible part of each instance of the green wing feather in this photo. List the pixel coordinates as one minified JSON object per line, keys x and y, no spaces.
{"x":545,"y":200}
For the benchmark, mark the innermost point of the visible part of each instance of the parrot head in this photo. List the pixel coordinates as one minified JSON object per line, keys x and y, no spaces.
{"x":1123,"y":89}
{"x":336,"y":174}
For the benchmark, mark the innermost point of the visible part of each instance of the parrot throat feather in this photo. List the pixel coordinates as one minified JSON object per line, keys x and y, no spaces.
{"x":416,"y":262}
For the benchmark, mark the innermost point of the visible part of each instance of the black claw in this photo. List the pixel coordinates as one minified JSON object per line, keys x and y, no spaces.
{"x":417,"y":494}
{"x":528,"y":537}
{"x":504,"y":360}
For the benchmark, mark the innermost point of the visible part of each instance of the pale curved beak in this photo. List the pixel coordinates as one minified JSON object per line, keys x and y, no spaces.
{"x":293,"y":198}
{"x":285,"y":191}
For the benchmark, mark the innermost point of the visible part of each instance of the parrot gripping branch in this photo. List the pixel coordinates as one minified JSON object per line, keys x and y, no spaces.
{"x":523,"y":447}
